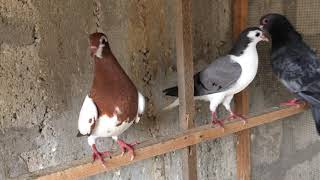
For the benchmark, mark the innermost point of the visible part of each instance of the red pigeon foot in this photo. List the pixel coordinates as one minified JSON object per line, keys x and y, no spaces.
{"x":215,"y":120}
{"x":233,"y":116}
{"x":291,"y":102}
{"x":127,"y":147}
{"x":99,"y":155}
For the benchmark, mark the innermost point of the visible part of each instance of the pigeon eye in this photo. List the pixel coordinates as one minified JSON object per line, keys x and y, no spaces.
{"x":103,"y":40}
{"x":265,"y":21}
{"x":258,"y":34}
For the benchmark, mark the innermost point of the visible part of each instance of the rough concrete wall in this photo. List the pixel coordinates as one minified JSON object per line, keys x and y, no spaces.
{"x":286,"y":149}
{"x":46,"y":72}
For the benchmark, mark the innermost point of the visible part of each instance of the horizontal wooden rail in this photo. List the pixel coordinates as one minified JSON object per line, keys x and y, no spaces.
{"x":167,"y":144}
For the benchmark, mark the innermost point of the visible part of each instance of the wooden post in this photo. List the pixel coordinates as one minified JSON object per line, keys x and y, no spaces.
{"x":240,"y":14}
{"x":185,"y":83}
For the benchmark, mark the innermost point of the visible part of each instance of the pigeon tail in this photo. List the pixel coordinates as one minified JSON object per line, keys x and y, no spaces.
{"x":79,"y":134}
{"x":173,"y":91}
{"x":141,"y":103}
{"x":174,"y":104}
{"x":313,"y":100}
{"x":316,"y":117}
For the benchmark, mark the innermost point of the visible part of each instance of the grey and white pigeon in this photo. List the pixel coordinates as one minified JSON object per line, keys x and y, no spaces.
{"x":227,"y":75}
{"x":294,"y":63}
{"x":113,"y":104}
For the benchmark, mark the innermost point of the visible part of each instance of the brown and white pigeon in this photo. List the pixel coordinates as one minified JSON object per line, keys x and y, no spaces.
{"x":113,"y":104}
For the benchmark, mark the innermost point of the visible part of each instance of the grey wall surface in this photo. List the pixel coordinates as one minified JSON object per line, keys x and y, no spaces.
{"x":45,"y":72}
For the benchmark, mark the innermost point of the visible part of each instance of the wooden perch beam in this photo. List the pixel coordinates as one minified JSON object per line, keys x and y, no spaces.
{"x":168,"y":144}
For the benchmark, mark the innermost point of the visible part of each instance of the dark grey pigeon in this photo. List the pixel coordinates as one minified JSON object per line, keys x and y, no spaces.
{"x":227,"y":75}
{"x":294,"y":62}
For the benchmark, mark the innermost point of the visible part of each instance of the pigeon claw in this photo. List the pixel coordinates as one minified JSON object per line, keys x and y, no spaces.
{"x":291,"y":102}
{"x":127,"y":147}
{"x":99,"y":155}
{"x":216,"y":121}
{"x":233,"y":116}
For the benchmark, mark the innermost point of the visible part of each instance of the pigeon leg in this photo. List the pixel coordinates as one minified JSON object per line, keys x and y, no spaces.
{"x":99,"y":155}
{"x":233,"y":116}
{"x":291,"y":102}
{"x":215,"y":120}
{"x":127,"y":147}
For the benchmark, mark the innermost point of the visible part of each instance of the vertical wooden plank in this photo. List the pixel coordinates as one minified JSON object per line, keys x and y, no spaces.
{"x":185,"y":83}
{"x":240,"y":14}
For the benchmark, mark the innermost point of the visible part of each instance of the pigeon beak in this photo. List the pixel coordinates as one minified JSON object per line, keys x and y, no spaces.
{"x":93,"y":50}
{"x":261,"y":27}
{"x":264,"y":37}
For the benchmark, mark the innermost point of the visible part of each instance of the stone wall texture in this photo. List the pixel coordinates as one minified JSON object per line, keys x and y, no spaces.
{"x":46,"y":71}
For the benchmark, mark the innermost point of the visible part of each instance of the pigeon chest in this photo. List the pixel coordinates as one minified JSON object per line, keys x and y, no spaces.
{"x":114,"y":93}
{"x":109,"y":126}
{"x":249,"y":67}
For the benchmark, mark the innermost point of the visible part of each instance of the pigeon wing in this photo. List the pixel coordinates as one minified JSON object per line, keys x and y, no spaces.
{"x":88,"y":116}
{"x":218,"y":76}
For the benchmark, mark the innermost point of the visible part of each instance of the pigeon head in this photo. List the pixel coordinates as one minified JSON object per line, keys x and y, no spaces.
{"x":251,"y":35}
{"x":254,"y":34}
{"x":277,"y":25}
{"x":98,"y":44}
